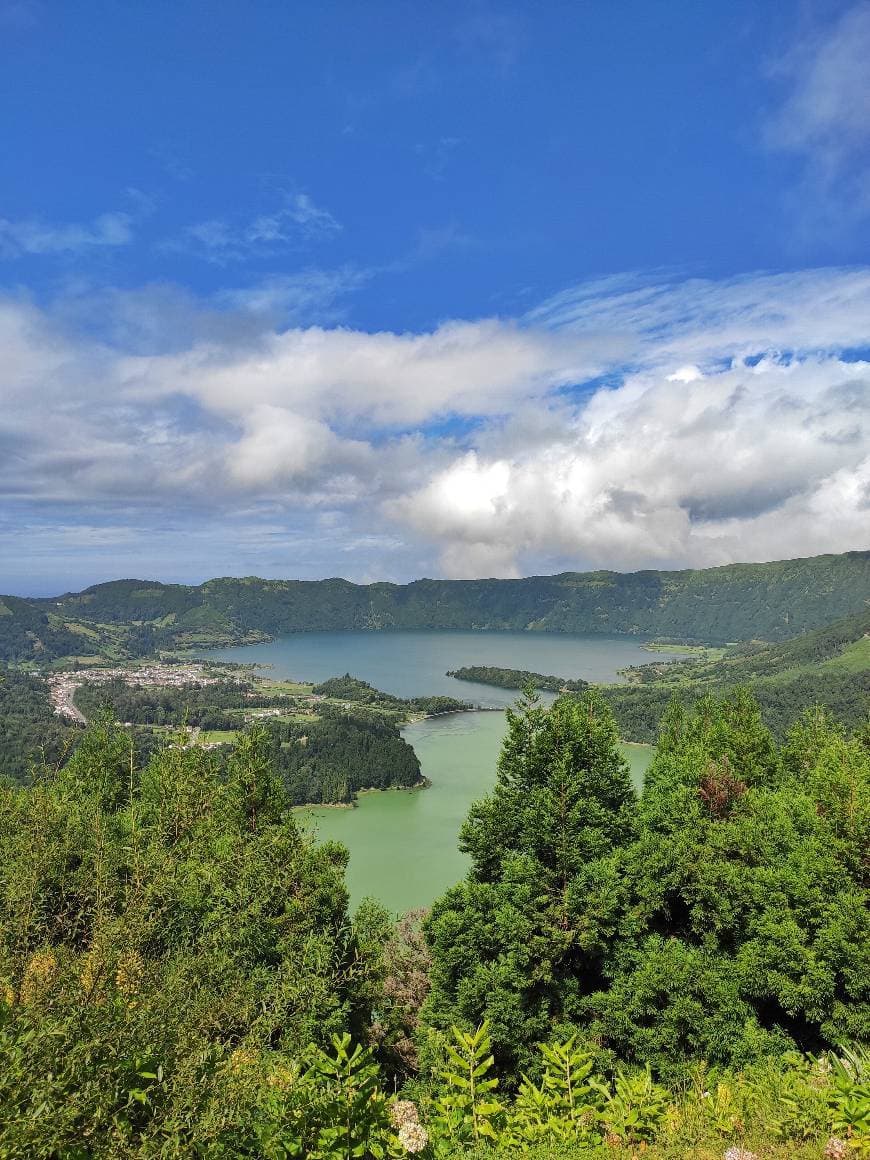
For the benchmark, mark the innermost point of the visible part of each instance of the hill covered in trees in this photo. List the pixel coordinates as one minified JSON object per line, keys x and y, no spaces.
{"x":29,"y":729}
{"x":736,"y":602}
{"x":829,"y":667}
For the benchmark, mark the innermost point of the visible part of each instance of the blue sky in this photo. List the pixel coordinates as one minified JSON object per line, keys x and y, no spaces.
{"x":396,"y":289}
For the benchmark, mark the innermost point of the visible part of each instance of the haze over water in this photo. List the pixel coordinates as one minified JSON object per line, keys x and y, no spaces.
{"x":403,"y":844}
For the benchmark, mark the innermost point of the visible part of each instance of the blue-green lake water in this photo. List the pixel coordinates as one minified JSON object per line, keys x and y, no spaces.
{"x":403,"y":843}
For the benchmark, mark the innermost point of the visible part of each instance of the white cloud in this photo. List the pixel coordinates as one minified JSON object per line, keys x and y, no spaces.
{"x":467,"y":368}
{"x":702,"y":320}
{"x":33,"y":236}
{"x":740,"y":429}
{"x":755,"y":460}
{"x":824,"y":117}
{"x":298,"y":211}
{"x":297,"y":297}
{"x":296,"y":222}
{"x":278,"y":447}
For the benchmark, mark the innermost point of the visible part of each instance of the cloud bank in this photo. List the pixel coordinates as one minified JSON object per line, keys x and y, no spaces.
{"x":625,"y":423}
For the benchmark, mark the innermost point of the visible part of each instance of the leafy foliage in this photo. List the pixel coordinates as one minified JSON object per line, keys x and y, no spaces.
{"x":330,"y":759}
{"x":722,"y":919}
{"x":29,"y":730}
{"x":522,"y":942}
{"x":153,"y":923}
{"x":671,"y":976}
{"x":359,"y":692}
{"x":467,"y":1111}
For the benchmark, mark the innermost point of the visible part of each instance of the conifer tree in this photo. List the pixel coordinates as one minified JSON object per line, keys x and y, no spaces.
{"x":520,"y":941}
{"x":745,"y":929}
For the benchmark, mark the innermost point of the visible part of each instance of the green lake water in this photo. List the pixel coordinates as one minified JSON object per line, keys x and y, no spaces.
{"x":403,"y":843}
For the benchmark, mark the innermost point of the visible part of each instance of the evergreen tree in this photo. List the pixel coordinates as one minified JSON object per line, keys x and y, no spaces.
{"x":745,"y":929}
{"x":521,"y":941}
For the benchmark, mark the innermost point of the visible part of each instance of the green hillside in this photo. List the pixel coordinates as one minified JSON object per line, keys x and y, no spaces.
{"x":738,"y":602}
{"x":829,"y":666}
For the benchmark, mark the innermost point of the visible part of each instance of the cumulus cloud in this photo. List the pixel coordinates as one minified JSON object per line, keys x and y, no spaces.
{"x":755,"y":460}
{"x":625,"y":424}
{"x":387,"y":379}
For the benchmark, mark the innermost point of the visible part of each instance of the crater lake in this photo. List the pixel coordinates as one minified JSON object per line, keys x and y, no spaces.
{"x":403,"y":843}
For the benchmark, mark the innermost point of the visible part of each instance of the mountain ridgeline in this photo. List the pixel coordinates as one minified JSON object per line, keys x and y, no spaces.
{"x":771,"y":601}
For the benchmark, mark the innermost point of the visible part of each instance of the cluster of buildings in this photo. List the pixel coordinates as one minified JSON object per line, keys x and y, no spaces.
{"x":62,"y":686}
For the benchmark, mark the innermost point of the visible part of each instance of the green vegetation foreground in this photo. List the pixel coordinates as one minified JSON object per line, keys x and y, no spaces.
{"x":180,"y":976}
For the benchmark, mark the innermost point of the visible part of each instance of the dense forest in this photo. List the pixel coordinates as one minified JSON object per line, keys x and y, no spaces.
{"x":515,"y":679}
{"x":28,"y":632}
{"x":771,"y":601}
{"x":206,"y":707}
{"x":829,"y":667}
{"x":684,"y":973}
{"x":331,"y":759}
{"x":638,"y":708}
{"x":29,"y":730}
{"x":352,"y":689}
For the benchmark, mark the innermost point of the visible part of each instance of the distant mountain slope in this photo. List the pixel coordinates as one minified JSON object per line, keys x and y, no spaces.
{"x":843,"y":646}
{"x":737,"y":602}
{"x":28,"y":631}
{"x":829,"y":666}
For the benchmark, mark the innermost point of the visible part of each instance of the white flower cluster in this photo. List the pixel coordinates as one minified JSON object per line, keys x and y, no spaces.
{"x":836,"y":1149}
{"x":735,"y":1153}
{"x":403,"y":1112}
{"x":412,"y":1135}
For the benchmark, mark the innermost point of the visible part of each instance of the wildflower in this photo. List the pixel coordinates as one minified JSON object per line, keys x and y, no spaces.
{"x":282,"y":1078}
{"x":128,"y":976}
{"x":736,"y":1153}
{"x":38,"y":975}
{"x":7,"y":994}
{"x":836,"y":1149}
{"x":403,"y":1113}
{"x":241,"y":1059}
{"x":413,"y":1137}
{"x":90,"y":971}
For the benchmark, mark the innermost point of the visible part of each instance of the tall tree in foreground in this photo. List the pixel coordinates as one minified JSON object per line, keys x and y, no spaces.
{"x":746,"y":925}
{"x":522,"y":941}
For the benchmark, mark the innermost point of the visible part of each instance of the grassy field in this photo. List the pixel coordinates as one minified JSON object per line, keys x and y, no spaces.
{"x":854,"y":658}
{"x":217,"y":736}
{"x":297,"y":688}
{"x":699,"y":652}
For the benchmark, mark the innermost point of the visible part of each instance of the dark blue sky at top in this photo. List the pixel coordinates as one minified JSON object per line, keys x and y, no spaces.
{"x":477,"y":157}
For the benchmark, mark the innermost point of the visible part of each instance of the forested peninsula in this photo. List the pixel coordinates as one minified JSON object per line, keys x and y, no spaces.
{"x":515,"y":679}
{"x":131,"y":618}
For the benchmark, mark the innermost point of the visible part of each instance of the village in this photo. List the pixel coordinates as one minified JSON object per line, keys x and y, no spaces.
{"x":62,"y":686}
